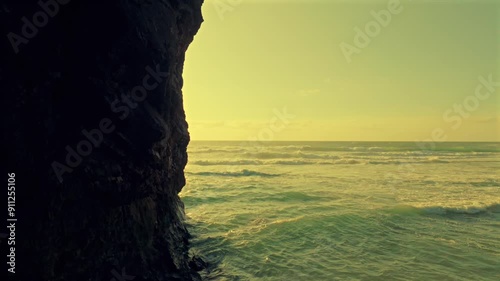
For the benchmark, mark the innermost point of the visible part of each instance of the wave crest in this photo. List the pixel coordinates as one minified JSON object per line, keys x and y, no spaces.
{"x":443,"y":210}
{"x":242,"y":173}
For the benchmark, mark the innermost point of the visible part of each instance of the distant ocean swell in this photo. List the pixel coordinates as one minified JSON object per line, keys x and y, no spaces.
{"x":242,"y":173}
{"x":338,"y":161}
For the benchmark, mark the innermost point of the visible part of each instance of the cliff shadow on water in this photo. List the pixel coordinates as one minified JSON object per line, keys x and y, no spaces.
{"x":95,"y":137}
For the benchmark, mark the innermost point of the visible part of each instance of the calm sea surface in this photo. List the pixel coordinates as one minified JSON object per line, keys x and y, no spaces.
{"x":345,"y":210}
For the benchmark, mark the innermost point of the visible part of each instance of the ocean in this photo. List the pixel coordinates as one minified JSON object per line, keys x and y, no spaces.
{"x":344,"y":210}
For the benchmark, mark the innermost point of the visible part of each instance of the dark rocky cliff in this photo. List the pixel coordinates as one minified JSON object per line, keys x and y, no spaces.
{"x":95,"y":132}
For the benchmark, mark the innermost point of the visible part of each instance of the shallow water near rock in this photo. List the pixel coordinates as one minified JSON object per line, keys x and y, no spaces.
{"x":345,"y":210}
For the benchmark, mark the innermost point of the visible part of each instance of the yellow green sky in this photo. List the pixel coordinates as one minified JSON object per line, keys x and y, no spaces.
{"x":252,"y":59}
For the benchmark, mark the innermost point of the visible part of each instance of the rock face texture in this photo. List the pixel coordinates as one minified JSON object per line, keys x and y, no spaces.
{"x":96,"y":135}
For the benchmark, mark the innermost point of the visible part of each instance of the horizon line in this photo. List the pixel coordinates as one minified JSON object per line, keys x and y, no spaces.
{"x":268,"y":141}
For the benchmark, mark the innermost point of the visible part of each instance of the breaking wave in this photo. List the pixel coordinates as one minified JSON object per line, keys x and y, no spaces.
{"x":442,"y":210}
{"x":316,"y":161}
{"x":242,"y":173}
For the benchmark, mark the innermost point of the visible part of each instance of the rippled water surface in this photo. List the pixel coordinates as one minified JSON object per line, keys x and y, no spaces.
{"x":345,"y":211}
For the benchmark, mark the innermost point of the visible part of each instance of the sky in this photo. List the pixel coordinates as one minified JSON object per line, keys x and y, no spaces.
{"x":341,"y":70}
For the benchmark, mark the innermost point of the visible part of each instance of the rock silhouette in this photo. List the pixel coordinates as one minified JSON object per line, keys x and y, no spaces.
{"x":95,"y":132}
